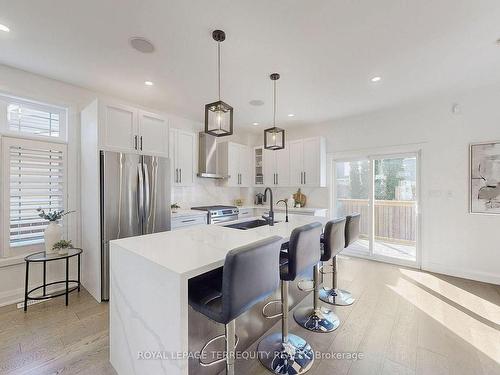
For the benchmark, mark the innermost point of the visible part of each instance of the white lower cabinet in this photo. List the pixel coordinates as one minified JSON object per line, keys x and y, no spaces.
{"x":187,"y":221}
{"x":245,"y":212}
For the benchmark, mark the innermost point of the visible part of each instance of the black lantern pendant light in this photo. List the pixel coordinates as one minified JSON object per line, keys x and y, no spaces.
{"x":218,"y":115}
{"x":274,"y":138}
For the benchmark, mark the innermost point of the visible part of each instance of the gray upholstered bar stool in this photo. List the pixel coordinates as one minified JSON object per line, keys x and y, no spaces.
{"x":250,"y":275}
{"x":285,"y":353}
{"x":338,"y":237}
{"x":316,"y":318}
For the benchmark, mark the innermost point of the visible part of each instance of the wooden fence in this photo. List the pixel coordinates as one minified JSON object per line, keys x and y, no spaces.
{"x":395,"y":221}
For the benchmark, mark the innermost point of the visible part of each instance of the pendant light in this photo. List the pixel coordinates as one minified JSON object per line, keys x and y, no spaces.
{"x":274,"y":138}
{"x":218,"y":115}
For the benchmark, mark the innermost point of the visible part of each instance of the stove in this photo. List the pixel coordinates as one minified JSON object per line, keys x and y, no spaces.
{"x":219,"y":213}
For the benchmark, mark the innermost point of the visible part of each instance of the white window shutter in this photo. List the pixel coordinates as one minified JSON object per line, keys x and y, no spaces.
{"x":35,"y":174}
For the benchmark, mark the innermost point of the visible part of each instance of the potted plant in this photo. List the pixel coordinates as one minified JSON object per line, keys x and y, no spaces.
{"x":62,"y":246}
{"x":174,"y":207}
{"x":53,"y":232}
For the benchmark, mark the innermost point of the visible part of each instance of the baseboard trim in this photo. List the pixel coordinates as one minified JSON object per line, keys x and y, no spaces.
{"x":464,"y":274}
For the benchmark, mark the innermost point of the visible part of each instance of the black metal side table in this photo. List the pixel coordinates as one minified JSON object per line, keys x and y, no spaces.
{"x":43,"y":257}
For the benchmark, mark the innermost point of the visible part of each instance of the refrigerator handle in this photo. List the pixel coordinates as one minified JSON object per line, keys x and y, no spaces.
{"x":140,"y":201}
{"x":147,"y":200}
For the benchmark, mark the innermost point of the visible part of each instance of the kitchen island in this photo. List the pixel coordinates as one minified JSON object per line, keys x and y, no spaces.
{"x":149,"y":313}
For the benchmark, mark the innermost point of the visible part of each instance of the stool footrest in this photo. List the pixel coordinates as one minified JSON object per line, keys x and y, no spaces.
{"x":208,"y":364}
{"x":304,"y":289}
{"x":275,"y":315}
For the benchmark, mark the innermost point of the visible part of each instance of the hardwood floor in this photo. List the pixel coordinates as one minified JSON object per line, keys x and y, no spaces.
{"x":404,"y":322}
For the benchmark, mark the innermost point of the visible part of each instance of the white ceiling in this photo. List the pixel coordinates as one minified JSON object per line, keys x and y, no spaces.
{"x":325,"y":50}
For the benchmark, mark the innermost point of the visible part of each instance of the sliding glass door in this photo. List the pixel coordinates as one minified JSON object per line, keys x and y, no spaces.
{"x":384,"y":190}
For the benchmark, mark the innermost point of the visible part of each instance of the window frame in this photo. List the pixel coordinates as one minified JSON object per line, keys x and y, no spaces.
{"x":6,"y":251}
{"x":5,"y":100}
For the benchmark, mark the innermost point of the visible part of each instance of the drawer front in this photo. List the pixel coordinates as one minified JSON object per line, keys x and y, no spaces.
{"x":188,"y":221}
{"x":246,"y":212}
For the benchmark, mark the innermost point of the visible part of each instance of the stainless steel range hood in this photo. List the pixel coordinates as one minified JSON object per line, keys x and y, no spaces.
{"x":207,"y":157}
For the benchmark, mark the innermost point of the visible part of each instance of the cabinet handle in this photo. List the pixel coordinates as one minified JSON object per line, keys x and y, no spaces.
{"x":277,"y":179}
{"x":135,"y":142}
{"x":305,"y":178}
{"x":188,"y":221}
{"x":176,"y":175}
{"x":180,"y":175}
{"x":141,"y":142}
{"x":301,"y":178}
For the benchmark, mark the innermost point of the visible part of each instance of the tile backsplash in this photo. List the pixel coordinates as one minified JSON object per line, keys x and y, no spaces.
{"x":207,"y":191}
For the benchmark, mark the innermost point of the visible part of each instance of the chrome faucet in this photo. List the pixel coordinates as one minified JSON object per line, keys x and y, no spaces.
{"x":285,"y":201}
{"x":270,"y":218}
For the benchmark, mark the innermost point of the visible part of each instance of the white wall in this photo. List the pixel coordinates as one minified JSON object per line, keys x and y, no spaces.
{"x":31,"y":86}
{"x":453,"y":241}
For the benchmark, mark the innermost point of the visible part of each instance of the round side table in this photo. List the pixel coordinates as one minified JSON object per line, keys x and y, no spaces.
{"x":43,"y":257}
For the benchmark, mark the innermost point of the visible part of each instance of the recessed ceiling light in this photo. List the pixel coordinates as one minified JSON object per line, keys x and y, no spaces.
{"x":148,"y":83}
{"x":376,"y":79}
{"x":142,"y":45}
{"x":255,"y":123}
{"x":4,"y":28}
{"x":291,"y":115}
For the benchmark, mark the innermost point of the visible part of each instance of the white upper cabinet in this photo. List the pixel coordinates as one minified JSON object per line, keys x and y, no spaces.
{"x":153,"y":130}
{"x":308,"y":162}
{"x":126,"y":129}
{"x":182,"y":154}
{"x":277,"y":167}
{"x":119,"y":127}
{"x":296,"y":162}
{"x":235,"y":160}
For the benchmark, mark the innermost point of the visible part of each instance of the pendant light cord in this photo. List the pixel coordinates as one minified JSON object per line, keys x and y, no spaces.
{"x":274,"y":105}
{"x":218,"y":65}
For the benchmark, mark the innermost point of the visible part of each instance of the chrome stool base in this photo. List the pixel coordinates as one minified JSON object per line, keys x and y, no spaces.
{"x":293,"y":357}
{"x":338,"y":297}
{"x":319,"y":320}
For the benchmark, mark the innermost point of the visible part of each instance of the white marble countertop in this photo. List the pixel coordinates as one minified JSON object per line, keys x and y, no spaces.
{"x":195,"y":250}
{"x":187,"y":213}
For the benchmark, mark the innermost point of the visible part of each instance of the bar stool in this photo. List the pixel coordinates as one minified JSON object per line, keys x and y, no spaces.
{"x":315,"y":318}
{"x":250,"y":275}
{"x":285,"y":353}
{"x":337,"y":238}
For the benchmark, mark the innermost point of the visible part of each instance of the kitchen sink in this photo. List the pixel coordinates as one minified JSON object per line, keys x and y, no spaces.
{"x":249,"y":224}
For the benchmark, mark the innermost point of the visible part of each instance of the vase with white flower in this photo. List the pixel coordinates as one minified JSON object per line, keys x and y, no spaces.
{"x":53,"y":233}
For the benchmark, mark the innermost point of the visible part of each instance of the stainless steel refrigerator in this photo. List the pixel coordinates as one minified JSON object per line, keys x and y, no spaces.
{"x":135,"y":200}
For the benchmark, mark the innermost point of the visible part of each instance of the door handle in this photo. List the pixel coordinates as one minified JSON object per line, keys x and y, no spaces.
{"x":141,"y":142}
{"x":147,"y":197}
{"x":141,"y":192}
